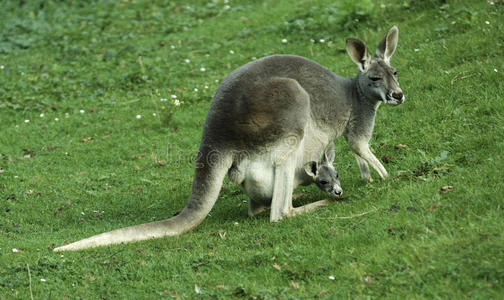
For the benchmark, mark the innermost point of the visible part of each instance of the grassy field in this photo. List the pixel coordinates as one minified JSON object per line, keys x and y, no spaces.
{"x":101,"y":112}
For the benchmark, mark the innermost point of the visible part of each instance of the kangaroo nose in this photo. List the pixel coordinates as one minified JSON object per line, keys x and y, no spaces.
{"x":338,"y":192}
{"x":398,"y":96}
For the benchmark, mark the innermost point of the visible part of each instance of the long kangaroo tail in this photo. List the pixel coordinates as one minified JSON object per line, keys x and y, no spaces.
{"x":211,"y":167}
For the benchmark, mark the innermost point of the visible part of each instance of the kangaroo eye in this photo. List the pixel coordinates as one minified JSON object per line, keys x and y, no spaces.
{"x":337,"y":176}
{"x":375,"y":78}
{"x":395,"y":73}
{"x":323,"y":182}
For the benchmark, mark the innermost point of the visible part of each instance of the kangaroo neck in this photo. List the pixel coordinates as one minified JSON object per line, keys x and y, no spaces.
{"x":362,"y":100}
{"x":363,"y":112}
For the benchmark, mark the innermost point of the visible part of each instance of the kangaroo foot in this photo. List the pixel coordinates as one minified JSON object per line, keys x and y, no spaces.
{"x":308,"y":207}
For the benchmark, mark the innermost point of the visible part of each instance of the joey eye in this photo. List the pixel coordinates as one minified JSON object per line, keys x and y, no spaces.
{"x":323,"y":182}
{"x":395,"y":73}
{"x":375,"y":78}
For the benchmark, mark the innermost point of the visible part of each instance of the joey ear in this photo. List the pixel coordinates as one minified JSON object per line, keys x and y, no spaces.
{"x":388,"y":45}
{"x":311,"y":168}
{"x":329,"y":153}
{"x":358,"y":53}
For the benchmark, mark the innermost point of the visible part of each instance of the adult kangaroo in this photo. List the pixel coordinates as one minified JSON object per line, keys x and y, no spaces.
{"x":268,"y":119}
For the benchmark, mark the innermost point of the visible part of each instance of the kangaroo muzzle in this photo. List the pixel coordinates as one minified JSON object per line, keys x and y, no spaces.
{"x":395,"y":98}
{"x":337,"y":190}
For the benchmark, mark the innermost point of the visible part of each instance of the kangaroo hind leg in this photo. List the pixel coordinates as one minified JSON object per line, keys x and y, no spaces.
{"x":308,"y":207}
{"x":281,"y":204}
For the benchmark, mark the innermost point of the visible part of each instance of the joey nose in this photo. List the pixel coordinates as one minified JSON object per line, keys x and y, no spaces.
{"x":397,"y":96}
{"x":337,"y":191}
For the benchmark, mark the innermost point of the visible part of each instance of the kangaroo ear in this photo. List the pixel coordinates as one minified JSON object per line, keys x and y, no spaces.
{"x":311,"y":168}
{"x":329,"y":153}
{"x":358,"y":53}
{"x":388,"y":45}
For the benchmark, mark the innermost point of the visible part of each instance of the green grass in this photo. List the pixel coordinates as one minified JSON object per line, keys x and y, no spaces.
{"x":104,"y":169}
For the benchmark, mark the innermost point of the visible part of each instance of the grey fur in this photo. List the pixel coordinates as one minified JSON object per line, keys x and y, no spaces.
{"x":267,"y":120}
{"x":323,"y":173}
{"x":259,"y":185}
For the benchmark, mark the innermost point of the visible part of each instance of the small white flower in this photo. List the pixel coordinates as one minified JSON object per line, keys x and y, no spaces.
{"x":312,"y":40}
{"x":226,"y":1}
{"x":41,"y":115}
{"x":67,"y":115}
{"x":174,"y":96}
{"x":226,"y":7}
{"x":2,"y":67}
{"x":331,"y":277}
{"x":231,"y":52}
{"x":383,"y":6}
{"x":163,"y":99}
{"x":15,"y":250}
{"x":29,"y":192}
{"x":284,"y":41}
{"x":27,"y":121}
{"x":187,"y":60}
{"x":416,"y":49}
{"x":495,"y":70}
{"x":486,"y":22}
{"x":43,"y":279}
{"x":491,"y":3}
{"x":82,"y":213}
{"x":172,"y":47}
{"x":138,"y":116}
{"x":154,"y":114}
{"x":195,"y":89}
{"x":56,"y":119}
{"x":81,"y":111}
{"x":62,"y":256}
{"x":236,"y":223}
{"x":206,"y":86}
{"x":197,"y":289}
{"x":322,"y":40}
{"x":254,"y":58}
{"x":202,"y":69}
{"x":15,"y":176}
{"x":176,"y":102}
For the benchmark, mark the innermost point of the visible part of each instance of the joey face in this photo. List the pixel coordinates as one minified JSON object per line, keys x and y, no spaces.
{"x":327,"y":179}
{"x":323,"y":173}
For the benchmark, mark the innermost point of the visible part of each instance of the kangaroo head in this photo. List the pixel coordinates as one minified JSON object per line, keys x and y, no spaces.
{"x":323,"y":173}
{"x":377,"y":79}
